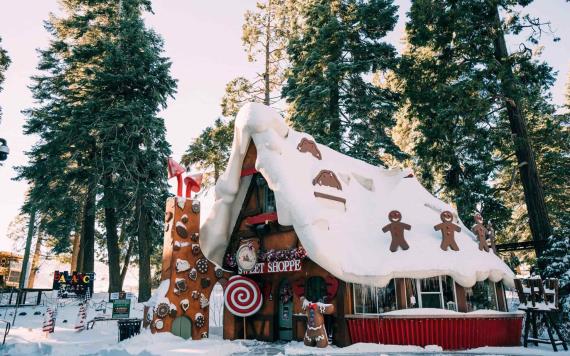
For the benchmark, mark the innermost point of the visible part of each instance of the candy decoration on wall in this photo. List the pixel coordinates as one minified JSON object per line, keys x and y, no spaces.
{"x":199,"y":320}
{"x":481,"y":232}
{"x":162,"y":310}
{"x":242,"y":296}
{"x":181,"y":229}
{"x":396,"y":228}
{"x":182,"y":265}
{"x":193,"y":274}
{"x":219,"y":273}
{"x":448,"y":229}
{"x":184,"y":304}
{"x":202,"y":265}
{"x":204,"y":302}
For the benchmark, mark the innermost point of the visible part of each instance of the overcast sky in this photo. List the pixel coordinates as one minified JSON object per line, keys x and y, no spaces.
{"x":203,"y":40}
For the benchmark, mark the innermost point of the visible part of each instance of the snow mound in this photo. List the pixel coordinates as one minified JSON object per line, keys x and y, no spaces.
{"x":344,"y":238}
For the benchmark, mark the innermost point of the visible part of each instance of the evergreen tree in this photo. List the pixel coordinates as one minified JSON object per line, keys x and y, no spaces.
{"x":4,"y":63}
{"x":210,"y":152}
{"x":265,"y":36}
{"x":105,"y":82}
{"x":471,"y":97}
{"x":339,"y":47}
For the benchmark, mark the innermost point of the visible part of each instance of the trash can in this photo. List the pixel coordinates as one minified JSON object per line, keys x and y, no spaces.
{"x":129,"y":328}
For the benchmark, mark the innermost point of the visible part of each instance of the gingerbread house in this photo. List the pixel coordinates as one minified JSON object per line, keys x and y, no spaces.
{"x":302,"y":220}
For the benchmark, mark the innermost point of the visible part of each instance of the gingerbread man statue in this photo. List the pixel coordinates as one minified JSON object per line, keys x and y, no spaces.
{"x":481,"y":231}
{"x":448,"y":229}
{"x":316,"y":334}
{"x":396,"y":228}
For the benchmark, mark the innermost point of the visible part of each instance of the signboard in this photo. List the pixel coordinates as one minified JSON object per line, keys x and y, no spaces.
{"x":121,"y":308}
{"x":73,"y":284}
{"x":274,"y":267}
{"x":117,"y":295}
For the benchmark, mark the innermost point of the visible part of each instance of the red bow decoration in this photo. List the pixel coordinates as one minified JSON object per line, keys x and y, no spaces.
{"x":176,"y":170}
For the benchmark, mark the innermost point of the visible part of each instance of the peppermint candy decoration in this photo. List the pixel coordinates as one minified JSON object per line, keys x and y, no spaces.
{"x":242,"y":296}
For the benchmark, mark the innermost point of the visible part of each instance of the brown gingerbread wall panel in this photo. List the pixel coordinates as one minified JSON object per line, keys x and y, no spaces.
{"x":192,"y":277}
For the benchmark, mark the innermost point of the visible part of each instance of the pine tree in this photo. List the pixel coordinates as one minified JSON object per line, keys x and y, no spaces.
{"x":210,"y":152}
{"x":105,"y":82}
{"x":265,"y":36}
{"x":471,"y":98}
{"x":339,"y":47}
{"x":4,"y":63}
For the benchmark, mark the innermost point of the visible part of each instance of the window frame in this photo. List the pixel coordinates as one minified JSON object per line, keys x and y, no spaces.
{"x":375,"y":288}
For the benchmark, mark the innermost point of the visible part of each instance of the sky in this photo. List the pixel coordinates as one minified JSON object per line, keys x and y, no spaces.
{"x":203,"y":40}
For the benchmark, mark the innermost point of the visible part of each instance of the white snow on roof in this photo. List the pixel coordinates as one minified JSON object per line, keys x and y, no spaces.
{"x":345,"y":239}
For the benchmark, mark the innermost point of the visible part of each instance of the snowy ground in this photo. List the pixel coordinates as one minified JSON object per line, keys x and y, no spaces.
{"x":26,"y":338}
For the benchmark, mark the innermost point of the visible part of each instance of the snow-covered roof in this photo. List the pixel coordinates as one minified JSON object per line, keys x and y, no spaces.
{"x":346,"y":238}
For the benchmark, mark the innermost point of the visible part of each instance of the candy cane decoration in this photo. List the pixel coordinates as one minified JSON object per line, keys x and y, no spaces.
{"x":49,"y":321}
{"x":242,"y":296}
{"x":81,"y":316}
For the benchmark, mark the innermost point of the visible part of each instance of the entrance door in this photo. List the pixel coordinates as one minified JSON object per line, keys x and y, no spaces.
{"x":285,"y":313}
{"x":182,"y":326}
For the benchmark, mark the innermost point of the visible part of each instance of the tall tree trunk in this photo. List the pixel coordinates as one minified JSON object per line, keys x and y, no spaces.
{"x":143,"y":248}
{"x":75,"y":252}
{"x":88,"y":229}
{"x":126,"y":262}
{"x":25,"y":261}
{"x":75,"y":258}
{"x":36,"y":259}
{"x":113,"y":251}
{"x":267,"y":89}
{"x":334,"y":113}
{"x":533,"y":193}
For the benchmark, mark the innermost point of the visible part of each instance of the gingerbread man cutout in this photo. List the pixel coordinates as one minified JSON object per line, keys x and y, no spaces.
{"x":481,"y":231}
{"x":396,"y":228}
{"x":448,"y":229}
{"x":316,"y":334}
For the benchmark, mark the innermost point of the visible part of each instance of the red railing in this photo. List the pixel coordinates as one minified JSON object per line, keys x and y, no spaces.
{"x":449,"y":333}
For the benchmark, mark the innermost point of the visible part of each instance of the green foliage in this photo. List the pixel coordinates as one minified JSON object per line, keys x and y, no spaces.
{"x":338,"y":48}
{"x":103,"y":81}
{"x":452,"y":82}
{"x":4,"y":64}
{"x":265,"y":35}
{"x":210,"y":152}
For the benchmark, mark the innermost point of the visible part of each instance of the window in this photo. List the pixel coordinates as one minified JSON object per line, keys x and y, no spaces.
{"x":316,"y":290}
{"x":266,"y":196}
{"x":374,"y":300}
{"x":483,"y":295}
{"x":434,"y":292}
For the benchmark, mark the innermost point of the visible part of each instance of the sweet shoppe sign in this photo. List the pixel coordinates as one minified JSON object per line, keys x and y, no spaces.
{"x":73,"y":283}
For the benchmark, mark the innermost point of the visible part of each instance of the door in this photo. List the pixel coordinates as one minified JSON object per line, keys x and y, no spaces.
{"x":182,"y":326}
{"x":285,"y":313}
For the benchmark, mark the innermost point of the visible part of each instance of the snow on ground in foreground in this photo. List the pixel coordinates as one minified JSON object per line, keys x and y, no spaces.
{"x":26,"y":338}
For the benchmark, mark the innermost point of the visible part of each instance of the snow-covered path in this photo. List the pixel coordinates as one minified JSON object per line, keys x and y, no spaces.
{"x":26,"y":338}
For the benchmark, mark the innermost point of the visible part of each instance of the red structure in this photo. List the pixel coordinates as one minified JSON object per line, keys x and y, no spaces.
{"x":449,"y":332}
